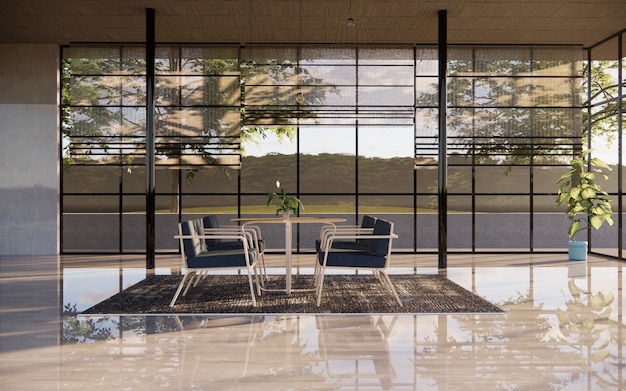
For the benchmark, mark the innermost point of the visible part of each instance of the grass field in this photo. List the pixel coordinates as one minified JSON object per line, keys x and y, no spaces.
{"x":308,"y":209}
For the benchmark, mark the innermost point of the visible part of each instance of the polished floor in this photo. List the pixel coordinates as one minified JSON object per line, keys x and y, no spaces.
{"x":564,"y":329}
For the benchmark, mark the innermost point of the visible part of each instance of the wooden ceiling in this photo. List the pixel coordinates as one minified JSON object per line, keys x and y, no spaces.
{"x":578,"y":22}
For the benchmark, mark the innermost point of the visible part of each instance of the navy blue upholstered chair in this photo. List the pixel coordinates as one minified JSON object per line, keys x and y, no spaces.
{"x":253,"y":232}
{"x":198,"y":259}
{"x":367,"y":227}
{"x":372,"y":252}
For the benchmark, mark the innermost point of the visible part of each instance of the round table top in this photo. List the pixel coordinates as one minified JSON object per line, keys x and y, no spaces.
{"x":295,"y":219}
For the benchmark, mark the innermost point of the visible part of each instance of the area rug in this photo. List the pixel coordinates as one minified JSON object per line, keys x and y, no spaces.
{"x":341,"y":294}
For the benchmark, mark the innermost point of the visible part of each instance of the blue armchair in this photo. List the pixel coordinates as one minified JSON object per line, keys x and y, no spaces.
{"x":253,"y":232}
{"x":371,"y":252}
{"x":367,"y":227}
{"x":199,"y":258}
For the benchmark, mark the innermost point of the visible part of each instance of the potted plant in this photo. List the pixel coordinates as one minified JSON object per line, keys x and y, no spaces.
{"x":587,"y":204}
{"x":284,"y":204}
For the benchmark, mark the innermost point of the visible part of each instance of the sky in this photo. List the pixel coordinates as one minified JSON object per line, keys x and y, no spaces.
{"x":383,"y":142}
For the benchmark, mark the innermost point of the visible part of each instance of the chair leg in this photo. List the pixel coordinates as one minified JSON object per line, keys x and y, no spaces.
{"x":384,"y":277}
{"x":199,"y":276}
{"x":319,"y":285}
{"x":263,"y":268}
{"x":251,"y":286}
{"x":193,"y":281}
{"x":316,"y":271}
{"x":262,"y":271}
{"x":180,"y":287}
{"x":256,"y":280}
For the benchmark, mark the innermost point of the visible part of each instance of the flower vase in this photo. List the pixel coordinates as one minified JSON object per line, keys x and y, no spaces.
{"x":286,"y":214}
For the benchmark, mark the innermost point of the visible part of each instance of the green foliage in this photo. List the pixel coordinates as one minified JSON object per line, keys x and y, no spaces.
{"x":284,"y":202}
{"x":587,"y":204}
{"x":603,"y":92}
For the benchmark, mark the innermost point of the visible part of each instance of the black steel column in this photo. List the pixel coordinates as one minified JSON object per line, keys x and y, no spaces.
{"x":443,"y":151}
{"x":620,"y":143}
{"x":150,"y":144}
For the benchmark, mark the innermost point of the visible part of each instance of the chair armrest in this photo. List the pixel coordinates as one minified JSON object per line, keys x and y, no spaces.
{"x":370,"y":236}
{"x":328,"y":231}
{"x":331,"y":227}
{"x":328,"y":227}
{"x":246,"y":227}
{"x":329,"y":240}
{"x":250,"y":234}
{"x":242,"y":238}
{"x":325,"y":231}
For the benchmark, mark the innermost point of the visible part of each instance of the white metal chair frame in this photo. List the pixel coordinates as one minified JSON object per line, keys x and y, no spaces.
{"x":253,"y":233}
{"x":194,"y":274}
{"x":379,"y":272}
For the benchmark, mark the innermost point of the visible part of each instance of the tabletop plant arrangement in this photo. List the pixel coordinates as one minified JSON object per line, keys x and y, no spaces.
{"x":284,"y":204}
{"x":587,"y":204}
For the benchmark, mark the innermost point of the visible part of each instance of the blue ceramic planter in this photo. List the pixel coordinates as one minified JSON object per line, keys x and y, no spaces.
{"x":577,"y":251}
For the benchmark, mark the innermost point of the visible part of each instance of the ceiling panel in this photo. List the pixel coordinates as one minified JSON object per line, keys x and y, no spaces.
{"x":319,"y":21}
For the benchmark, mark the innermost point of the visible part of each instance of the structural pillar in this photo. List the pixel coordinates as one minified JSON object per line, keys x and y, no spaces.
{"x":150,"y":143}
{"x":443,"y":151}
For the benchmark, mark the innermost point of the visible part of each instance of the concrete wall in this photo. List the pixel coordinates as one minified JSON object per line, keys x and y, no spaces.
{"x":29,"y":117}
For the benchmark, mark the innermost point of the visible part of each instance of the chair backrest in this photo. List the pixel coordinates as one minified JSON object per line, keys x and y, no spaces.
{"x":368,"y":221}
{"x":381,"y":246}
{"x":194,"y":245}
{"x":210,"y":221}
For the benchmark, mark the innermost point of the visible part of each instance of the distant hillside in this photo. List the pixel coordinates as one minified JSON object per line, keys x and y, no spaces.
{"x":501,"y":189}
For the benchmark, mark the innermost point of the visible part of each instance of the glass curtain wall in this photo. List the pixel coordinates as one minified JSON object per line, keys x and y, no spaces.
{"x":349,"y":130}
{"x":514,"y":119}
{"x":604,"y":121}
{"x":197,"y":129}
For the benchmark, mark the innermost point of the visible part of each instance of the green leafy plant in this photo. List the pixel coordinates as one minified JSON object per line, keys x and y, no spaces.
{"x":587,"y":204}
{"x":284,"y":203}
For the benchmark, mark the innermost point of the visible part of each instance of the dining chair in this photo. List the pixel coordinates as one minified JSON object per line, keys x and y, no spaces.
{"x":372,"y":253}
{"x":198,"y":259}
{"x":212,"y":225}
{"x":367,"y":227}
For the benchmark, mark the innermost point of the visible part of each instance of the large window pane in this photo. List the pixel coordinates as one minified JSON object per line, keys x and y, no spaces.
{"x":203,"y":205}
{"x":327,"y":161}
{"x":503,"y":180}
{"x":385,"y":160}
{"x":260,"y":173}
{"x":91,"y":232}
{"x":92,"y":179}
{"x":502,"y":230}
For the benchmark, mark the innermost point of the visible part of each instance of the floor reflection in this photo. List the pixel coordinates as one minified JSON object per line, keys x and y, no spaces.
{"x":354,"y":349}
{"x":563,"y":330}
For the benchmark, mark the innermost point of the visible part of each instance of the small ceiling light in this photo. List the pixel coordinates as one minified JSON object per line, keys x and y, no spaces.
{"x":300,"y":97}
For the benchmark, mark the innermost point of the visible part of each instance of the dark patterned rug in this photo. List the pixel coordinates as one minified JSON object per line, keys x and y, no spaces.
{"x":341,"y":294}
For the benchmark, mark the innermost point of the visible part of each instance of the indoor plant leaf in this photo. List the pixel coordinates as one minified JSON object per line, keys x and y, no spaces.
{"x":586,"y":201}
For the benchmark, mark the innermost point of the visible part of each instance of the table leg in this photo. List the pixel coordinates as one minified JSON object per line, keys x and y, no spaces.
{"x":288,"y":257}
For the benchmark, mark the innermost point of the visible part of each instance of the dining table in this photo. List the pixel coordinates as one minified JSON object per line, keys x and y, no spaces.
{"x":288,"y":222}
